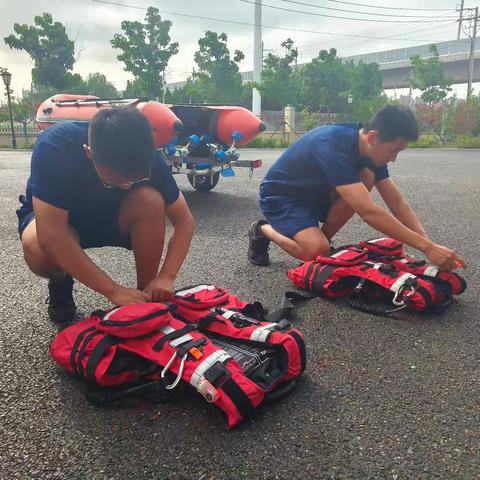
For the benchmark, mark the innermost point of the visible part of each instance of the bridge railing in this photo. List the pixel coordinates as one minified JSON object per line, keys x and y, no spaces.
{"x":451,"y":47}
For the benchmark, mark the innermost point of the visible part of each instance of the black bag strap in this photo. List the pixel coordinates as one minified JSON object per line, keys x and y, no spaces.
{"x":291,"y":301}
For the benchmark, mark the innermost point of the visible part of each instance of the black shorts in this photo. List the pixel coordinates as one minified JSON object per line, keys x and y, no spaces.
{"x":99,"y":230}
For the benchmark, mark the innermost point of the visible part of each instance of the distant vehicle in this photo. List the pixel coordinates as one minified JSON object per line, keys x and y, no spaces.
{"x":197,"y":140}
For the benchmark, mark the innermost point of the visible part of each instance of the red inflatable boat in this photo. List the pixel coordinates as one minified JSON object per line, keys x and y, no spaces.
{"x":197,"y":140}
{"x":64,"y":108}
{"x":221,"y":123}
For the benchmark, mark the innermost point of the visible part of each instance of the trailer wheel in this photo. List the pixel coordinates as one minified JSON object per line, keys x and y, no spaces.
{"x":204,"y":183}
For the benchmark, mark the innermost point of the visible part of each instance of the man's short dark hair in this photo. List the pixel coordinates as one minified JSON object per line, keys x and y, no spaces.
{"x":122,"y":139}
{"x":392,"y":122}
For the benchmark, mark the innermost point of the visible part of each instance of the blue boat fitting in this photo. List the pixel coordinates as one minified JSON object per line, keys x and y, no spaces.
{"x":194,"y":140}
{"x":237,"y":136}
{"x":221,"y":155}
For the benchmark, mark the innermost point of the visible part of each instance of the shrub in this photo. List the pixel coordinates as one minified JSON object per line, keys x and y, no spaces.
{"x":426,"y":142}
{"x":467,"y":141}
{"x":268,"y":142}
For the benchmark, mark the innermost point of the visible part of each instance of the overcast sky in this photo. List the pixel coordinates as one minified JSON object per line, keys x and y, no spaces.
{"x":93,"y":24}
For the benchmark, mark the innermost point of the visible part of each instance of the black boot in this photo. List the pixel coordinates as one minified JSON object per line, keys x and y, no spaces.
{"x":258,"y":244}
{"x":61,"y":307}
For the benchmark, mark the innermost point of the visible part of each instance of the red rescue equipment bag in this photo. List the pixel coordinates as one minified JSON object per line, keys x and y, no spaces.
{"x":235,"y":364}
{"x":390,"y":251}
{"x":378,"y":270}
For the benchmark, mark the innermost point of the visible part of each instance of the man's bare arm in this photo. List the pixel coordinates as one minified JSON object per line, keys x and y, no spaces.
{"x":57,"y":239}
{"x":358,"y":197}
{"x":183,"y":227}
{"x":399,"y":206}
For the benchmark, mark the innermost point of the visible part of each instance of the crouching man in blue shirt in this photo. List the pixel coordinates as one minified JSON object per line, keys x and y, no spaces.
{"x":101,"y":185}
{"x":326,"y":177}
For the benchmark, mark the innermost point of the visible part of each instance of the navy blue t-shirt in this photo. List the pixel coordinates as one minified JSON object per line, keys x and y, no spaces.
{"x":322,"y":159}
{"x":63,"y":176}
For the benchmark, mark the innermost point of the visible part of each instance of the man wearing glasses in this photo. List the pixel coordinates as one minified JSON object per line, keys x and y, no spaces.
{"x":101,"y":185}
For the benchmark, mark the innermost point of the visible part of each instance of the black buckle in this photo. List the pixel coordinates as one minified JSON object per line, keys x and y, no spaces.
{"x":185,"y":347}
{"x":217,"y":374}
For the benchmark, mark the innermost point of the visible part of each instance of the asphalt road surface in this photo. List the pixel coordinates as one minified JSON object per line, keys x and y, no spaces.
{"x":380,"y":398}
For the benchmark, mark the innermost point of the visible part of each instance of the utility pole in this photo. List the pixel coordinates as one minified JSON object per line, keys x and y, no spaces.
{"x":460,"y":20}
{"x":257,"y":58}
{"x":472,"y":54}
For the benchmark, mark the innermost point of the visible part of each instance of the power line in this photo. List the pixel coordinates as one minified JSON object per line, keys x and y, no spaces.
{"x":324,"y":15}
{"x":394,"y":8}
{"x":222,"y":20}
{"x":310,"y":47}
{"x":356,"y":11}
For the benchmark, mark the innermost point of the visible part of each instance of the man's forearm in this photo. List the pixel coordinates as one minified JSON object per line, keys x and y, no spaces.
{"x":406,"y":215}
{"x":68,"y":254}
{"x":177,"y":249}
{"x":386,"y":223}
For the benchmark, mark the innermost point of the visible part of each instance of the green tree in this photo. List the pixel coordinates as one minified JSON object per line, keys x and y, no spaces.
{"x":279,"y":83}
{"x":217,"y":79}
{"x":363,"y":109}
{"x":365,"y":80}
{"x":146,"y":50}
{"x":324,"y":82}
{"x":429,"y":77}
{"x":51,"y":50}
{"x":97,"y":84}
{"x":135,"y":88}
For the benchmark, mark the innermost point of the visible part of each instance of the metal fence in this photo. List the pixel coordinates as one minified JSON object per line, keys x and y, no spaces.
{"x":274,"y":120}
{"x":304,"y":120}
{"x":30,"y":129}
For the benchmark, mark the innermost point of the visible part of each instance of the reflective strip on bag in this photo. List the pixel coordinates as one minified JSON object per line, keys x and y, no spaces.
{"x":377,"y":240}
{"x":217,"y":356}
{"x":398,"y":284}
{"x":341,"y":252}
{"x":184,"y":293}
{"x":181,"y":340}
{"x":431,"y":272}
{"x":260,"y":334}
{"x":108,"y":315}
{"x":167,"y":329}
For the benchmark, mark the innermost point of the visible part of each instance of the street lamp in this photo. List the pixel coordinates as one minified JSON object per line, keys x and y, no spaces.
{"x":7,"y":79}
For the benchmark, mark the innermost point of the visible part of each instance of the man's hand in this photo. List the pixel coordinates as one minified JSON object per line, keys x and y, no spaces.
{"x":125,"y":296}
{"x":160,"y":289}
{"x":443,"y":257}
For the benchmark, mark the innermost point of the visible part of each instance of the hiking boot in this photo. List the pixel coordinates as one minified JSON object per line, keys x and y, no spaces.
{"x":258,"y":244}
{"x":61,"y":307}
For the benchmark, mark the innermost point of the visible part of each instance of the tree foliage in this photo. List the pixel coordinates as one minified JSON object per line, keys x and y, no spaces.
{"x":146,"y":50}
{"x":465,"y":118}
{"x":49,"y":47}
{"x":324,"y":82}
{"x":217,"y":78}
{"x":279,"y":85}
{"x":429,"y":77}
{"x":97,"y":84}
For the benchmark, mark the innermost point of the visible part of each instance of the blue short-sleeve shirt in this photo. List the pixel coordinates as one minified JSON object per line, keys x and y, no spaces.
{"x":63,"y":176}
{"x":324,"y":158}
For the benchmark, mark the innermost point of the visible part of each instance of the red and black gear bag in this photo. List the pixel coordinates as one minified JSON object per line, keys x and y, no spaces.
{"x":144,"y":347}
{"x":390,"y":251}
{"x":221,"y":315}
{"x":359,"y":273}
